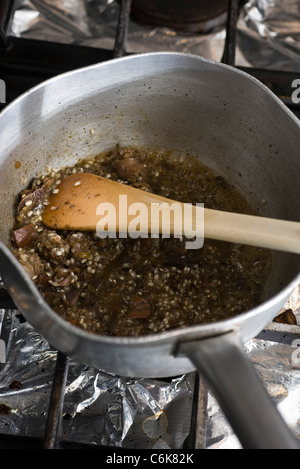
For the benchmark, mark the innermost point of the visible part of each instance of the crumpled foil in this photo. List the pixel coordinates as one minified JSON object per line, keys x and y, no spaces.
{"x":269,"y":35}
{"x":99,"y":408}
{"x":268,"y":31}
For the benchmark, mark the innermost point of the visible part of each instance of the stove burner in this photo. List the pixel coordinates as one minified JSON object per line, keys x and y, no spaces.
{"x":190,"y":16}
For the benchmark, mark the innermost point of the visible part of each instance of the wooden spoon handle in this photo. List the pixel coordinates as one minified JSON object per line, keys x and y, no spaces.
{"x":252,"y":230}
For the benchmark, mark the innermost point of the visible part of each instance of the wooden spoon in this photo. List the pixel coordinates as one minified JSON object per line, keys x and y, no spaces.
{"x":74,"y":203}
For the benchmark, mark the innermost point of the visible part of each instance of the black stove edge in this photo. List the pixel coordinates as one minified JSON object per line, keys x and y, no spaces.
{"x":7,"y":9}
{"x":48,"y":58}
{"x":5,"y":300}
{"x":8,"y":441}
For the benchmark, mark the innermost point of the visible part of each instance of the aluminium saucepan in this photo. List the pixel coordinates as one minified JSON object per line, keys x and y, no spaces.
{"x":180,"y":102}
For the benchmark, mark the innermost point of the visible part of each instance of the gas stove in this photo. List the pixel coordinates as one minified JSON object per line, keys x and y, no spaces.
{"x":70,"y":406}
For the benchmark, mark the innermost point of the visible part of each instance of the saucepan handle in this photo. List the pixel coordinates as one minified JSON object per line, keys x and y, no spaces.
{"x":240,"y":392}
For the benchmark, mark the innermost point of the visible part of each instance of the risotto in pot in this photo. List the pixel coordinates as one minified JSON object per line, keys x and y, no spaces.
{"x":131,"y":287}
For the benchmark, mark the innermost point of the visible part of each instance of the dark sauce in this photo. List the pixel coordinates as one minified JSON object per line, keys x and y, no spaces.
{"x":131,"y":287}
